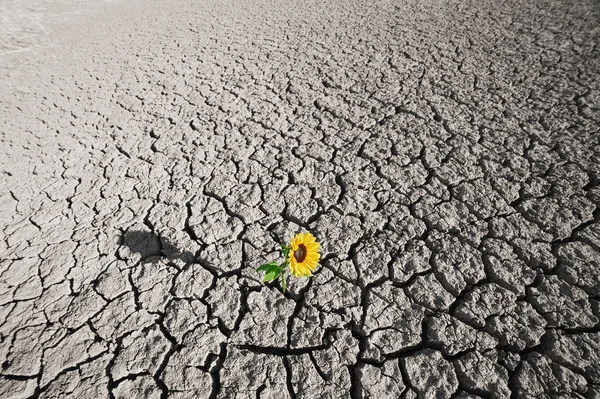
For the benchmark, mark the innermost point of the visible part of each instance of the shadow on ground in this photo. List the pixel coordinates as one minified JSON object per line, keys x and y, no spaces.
{"x":150,"y":246}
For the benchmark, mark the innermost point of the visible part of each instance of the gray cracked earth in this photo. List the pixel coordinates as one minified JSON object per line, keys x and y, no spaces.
{"x":446,"y":154}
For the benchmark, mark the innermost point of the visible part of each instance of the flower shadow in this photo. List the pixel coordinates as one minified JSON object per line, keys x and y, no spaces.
{"x":149,"y":247}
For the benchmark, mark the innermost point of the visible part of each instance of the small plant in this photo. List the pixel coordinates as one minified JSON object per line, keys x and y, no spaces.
{"x":301,"y":255}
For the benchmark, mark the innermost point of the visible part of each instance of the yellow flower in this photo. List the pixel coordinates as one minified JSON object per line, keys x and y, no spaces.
{"x":304,"y":254}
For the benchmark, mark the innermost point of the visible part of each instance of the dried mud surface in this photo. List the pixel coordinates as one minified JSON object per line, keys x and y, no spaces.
{"x":446,"y":154}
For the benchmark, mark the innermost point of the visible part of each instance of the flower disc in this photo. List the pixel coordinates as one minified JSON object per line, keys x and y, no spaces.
{"x":304,"y":254}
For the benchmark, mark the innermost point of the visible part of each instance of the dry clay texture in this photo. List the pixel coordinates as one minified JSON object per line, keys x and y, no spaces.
{"x":445,"y":153}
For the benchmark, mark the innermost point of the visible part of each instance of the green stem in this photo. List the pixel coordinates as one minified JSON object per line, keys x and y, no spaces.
{"x":284,"y":268}
{"x":285,"y":250}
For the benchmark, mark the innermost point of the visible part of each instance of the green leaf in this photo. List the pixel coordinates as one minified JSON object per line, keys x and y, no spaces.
{"x":272,"y":275}
{"x":266,"y":266}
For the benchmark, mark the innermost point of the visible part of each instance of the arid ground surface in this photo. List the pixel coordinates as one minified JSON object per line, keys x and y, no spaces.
{"x":445,"y":153}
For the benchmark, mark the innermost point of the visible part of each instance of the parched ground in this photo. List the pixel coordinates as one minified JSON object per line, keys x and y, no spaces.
{"x":445,"y":153}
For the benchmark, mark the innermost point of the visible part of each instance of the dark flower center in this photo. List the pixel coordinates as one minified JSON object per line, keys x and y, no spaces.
{"x":300,"y":253}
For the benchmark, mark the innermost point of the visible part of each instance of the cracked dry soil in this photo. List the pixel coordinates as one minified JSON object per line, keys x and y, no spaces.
{"x":446,"y":154}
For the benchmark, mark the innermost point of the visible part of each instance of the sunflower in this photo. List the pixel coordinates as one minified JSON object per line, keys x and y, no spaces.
{"x":304,"y":254}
